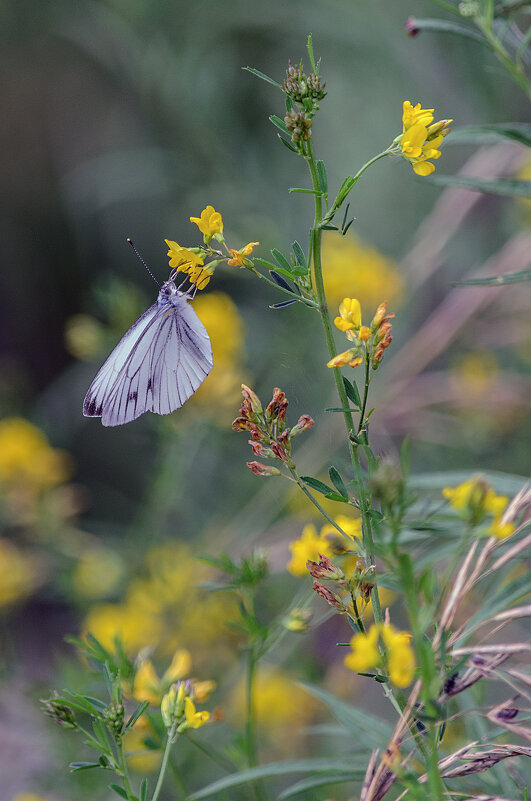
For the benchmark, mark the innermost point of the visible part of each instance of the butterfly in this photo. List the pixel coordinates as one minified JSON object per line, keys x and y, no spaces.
{"x":157,"y":365}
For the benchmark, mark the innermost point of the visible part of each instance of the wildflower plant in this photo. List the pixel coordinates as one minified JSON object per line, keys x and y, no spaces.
{"x":397,"y":562}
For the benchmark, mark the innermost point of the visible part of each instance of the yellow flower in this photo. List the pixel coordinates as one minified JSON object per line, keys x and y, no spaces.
{"x":238,"y":256}
{"x":209,"y":223}
{"x":364,"y":654}
{"x":420,"y":138}
{"x":27,"y":459}
{"x":349,"y":263}
{"x":18,"y":575}
{"x":476,"y":501}
{"x":182,"y":257}
{"x":135,"y":626}
{"x":309,"y":545}
{"x":194,"y":719}
{"x":347,"y":357}
{"x":350,"y":315}
{"x":148,"y":686}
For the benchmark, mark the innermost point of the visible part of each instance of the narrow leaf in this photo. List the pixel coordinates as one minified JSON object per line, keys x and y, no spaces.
{"x":497,"y":280}
{"x":323,"y":178}
{"x":507,"y":187}
{"x":309,"y":48}
{"x":446,"y":26}
{"x":335,"y":496}
{"x":271,"y":266}
{"x":290,"y":147}
{"x":272,"y":769}
{"x":317,"y":485}
{"x":339,"y":409}
{"x":281,"y":260}
{"x":283,"y":304}
{"x":279,"y":123}
{"x":481,"y":134}
{"x":299,"y":255}
{"x":280,"y":281}
{"x":141,"y":708}
{"x":77,"y":766}
{"x":263,"y":76}
{"x":352,"y":392}
{"x":305,"y":191}
{"x":338,"y":482}
{"x":144,"y":790}
{"x":119,"y":790}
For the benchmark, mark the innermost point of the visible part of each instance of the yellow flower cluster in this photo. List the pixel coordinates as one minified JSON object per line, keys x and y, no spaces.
{"x":18,"y":574}
{"x":477,"y":503}
{"x":421,"y":137}
{"x":191,"y":261}
{"x":327,"y":543}
{"x":350,"y":262}
{"x":177,"y":708}
{"x":27,"y":460}
{"x":383,"y":645}
{"x":165,"y":608}
{"x":369,"y":344}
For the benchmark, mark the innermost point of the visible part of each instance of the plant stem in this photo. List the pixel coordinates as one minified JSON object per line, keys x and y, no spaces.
{"x":164,"y":765}
{"x":250,"y":736}
{"x":123,"y":770}
{"x":315,"y":502}
{"x":316,"y":235}
{"x":354,"y":180}
{"x":365,"y":392}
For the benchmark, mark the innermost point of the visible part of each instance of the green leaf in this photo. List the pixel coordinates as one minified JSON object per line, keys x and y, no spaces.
{"x":77,"y":766}
{"x":293,"y":150}
{"x":262,"y":76}
{"x":300,"y":258}
{"x":141,"y":708}
{"x":100,"y":706}
{"x":144,"y":790}
{"x":317,"y":485}
{"x":497,"y":280}
{"x":506,"y":187}
{"x":485,"y":134}
{"x":279,"y":123}
{"x":309,"y":48}
{"x":339,"y":409}
{"x":352,"y":392}
{"x":335,"y":496}
{"x":344,"y":189}
{"x":271,"y":266}
{"x":367,"y":730}
{"x":281,"y":260}
{"x":312,"y":782}
{"x":446,"y":26}
{"x":322,"y":176}
{"x":338,"y":482}
{"x":305,"y":191}
{"x":328,"y":766}
{"x":504,"y":483}
{"x":119,"y":790}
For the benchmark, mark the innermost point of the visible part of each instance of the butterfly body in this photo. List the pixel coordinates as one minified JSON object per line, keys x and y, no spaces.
{"x":157,"y":365}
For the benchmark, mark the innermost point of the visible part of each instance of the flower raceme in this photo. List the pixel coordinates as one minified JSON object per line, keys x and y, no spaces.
{"x":178,"y":709}
{"x":478,"y":504}
{"x":421,"y":137}
{"x":191,"y":260}
{"x":369,"y":342}
{"x":383,"y":646}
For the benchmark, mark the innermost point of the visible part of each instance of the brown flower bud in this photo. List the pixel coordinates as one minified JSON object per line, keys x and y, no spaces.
{"x":262,"y":469}
{"x":277,"y":406}
{"x":279,"y":451}
{"x":260,"y":450}
{"x":304,"y":423}
{"x":251,"y":401}
{"x":324,"y":569}
{"x":329,"y":597}
{"x":241,"y":424}
{"x":411,"y":26}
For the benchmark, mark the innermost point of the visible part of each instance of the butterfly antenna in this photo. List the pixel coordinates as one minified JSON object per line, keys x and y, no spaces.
{"x":142,"y":260}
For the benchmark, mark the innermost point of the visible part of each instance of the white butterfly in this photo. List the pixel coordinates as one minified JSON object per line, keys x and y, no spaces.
{"x":157,"y":365}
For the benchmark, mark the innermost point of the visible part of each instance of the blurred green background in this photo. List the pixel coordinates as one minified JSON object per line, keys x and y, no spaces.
{"x":125,"y":118}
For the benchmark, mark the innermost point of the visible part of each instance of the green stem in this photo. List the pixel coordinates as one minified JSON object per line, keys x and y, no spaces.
{"x":340,"y":386}
{"x":300,"y":298}
{"x":515,"y":70}
{"x":340,"y":199}
{"x":365,"y":392}
{"x":359,"y":621}
{"x":164,"y":765}
{"x":123,"y":770}
{"x":250,"y":734}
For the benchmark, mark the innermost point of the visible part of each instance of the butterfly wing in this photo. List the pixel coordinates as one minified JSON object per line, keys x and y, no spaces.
{"x":157,"y":365}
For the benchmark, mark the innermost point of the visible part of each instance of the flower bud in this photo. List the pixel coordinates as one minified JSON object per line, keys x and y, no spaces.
{"x":172,"y":705}
{"x":262,"y":469}
{"x":241,"y":424}
{"x":251,"y":401}
{"x":304,"y":423}
{"x":411,"y":26}
{"x":260,"y":450}
{"x":298,"y":620}
{"x":324,"y":569}
{"x":279,"y":451}
{"x":277,"y":407}
{"x":60,"y":712}
{"x":329,"y":597}
{"x":114,"y":718}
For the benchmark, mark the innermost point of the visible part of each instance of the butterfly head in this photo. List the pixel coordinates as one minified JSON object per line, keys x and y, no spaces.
{"x":168,"y":293}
